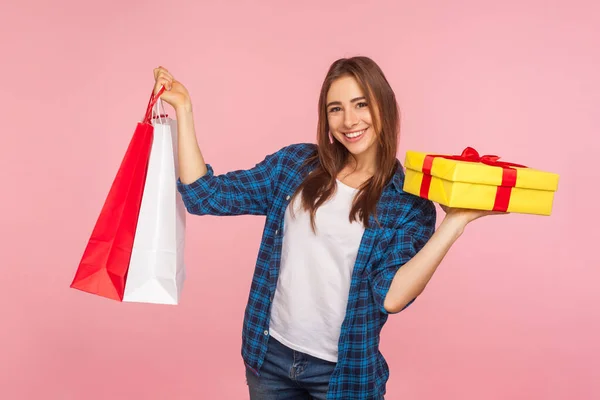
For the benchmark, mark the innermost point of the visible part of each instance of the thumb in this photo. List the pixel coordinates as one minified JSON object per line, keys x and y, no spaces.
{"x":169,"y":97}
{"x":157,"y":87}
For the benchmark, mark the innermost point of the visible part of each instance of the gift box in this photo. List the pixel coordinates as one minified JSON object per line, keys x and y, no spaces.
{"x":479,"y":182}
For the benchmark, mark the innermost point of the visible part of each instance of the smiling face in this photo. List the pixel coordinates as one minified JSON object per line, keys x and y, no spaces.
{"x":350,"y":120}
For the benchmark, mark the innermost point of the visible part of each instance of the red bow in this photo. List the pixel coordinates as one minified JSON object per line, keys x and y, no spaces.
{"x":509,"y":174}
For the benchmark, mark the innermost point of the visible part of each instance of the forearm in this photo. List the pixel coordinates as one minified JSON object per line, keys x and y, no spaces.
{"x":412,"y":277}
{"x":191,"y":162}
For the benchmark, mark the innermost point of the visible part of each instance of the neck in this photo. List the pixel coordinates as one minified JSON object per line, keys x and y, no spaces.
{"x":362,"y":163}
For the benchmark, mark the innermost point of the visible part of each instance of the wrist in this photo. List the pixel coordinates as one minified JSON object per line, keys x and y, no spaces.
{"x":455,"y":222}
{"x":185,"y":108}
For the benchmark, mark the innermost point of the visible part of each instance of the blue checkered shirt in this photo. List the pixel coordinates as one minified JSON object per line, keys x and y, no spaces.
{"x":407,"y":223}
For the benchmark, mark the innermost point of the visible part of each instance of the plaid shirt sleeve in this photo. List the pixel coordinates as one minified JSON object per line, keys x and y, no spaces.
{"x":234,"y":193}
{"x":408,"y":240}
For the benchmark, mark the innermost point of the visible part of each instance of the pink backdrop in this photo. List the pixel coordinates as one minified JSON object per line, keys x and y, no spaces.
{"x":511,"y":314}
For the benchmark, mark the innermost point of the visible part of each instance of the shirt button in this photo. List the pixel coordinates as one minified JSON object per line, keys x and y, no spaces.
{"x":266,"y":333}
{"x":287,"y":198}
{"x":277,"y":231}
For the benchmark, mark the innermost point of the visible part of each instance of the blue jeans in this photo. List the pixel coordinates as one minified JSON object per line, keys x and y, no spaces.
{"x":290,"y":375}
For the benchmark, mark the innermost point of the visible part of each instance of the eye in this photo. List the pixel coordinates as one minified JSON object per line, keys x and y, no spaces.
{"x":334,"y":109}
{"x":362,"y":104}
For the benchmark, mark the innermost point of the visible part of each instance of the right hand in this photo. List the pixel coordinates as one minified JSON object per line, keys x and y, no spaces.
{"x":175,"y":93}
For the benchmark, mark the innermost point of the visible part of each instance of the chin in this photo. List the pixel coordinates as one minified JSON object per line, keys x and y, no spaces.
{"x":356,"y":150}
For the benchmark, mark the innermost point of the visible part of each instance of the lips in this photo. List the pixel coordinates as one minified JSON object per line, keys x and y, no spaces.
{"x":354,"y":134}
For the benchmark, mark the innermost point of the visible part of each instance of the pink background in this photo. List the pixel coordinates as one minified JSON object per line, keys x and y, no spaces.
{"x":513,"y":311}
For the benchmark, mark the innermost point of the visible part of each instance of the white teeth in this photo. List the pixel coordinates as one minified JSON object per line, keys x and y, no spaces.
{"x":355,"y":134}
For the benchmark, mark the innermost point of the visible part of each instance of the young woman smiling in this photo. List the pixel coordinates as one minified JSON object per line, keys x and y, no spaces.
{"x":343,"y":245}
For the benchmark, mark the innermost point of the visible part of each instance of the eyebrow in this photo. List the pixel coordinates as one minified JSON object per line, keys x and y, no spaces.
{"x":339,"y":103}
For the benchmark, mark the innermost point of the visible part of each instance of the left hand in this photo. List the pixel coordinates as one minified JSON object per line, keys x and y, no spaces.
{"x":468,"y":215}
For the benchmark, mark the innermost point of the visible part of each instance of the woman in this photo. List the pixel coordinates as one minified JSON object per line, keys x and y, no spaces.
{"x":343,"y":246}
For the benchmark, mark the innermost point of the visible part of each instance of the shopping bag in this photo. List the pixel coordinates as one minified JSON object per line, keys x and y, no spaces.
{"x":105,"y":261}
{"x":156,"y":269}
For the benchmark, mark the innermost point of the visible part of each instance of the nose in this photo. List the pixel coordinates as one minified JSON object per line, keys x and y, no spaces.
{"x":350,"y":118}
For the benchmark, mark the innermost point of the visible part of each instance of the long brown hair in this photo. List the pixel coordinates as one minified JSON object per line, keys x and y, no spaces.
{"x":320,"y":185}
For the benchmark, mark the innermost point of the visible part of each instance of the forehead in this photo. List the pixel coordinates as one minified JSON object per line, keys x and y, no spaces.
{"x":344,"y":89}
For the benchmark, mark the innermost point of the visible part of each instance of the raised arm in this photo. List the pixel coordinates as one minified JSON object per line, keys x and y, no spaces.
{"x":191,"y":162}
{"x":203,"y":193}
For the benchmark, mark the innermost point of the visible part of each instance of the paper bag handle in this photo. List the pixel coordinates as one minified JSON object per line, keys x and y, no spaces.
{"x":159,"y":113}
{"x":153,"y":99}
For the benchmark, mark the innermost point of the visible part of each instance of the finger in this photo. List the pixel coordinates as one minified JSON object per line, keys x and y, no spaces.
{"x":161,"y":70}
{"x":169,"y":98}
{"x":160,"y":82}
{"x":164,"y":71}
{"x":163,"y":74}
{"x":157,"y":71}
{"x":168,"y":74}
{"x":168,"y":78}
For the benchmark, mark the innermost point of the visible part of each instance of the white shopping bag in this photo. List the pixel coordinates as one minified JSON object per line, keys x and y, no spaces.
{"x":156,"y":269}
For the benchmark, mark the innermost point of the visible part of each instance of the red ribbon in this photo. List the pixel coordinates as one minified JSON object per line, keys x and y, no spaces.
{"x":509,"y":174}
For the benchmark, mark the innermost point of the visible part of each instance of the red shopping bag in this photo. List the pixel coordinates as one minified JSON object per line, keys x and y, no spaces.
{"x":105,"y":262}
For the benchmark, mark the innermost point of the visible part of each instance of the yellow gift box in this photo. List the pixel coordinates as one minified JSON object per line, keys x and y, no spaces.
{"x":479,"y":182}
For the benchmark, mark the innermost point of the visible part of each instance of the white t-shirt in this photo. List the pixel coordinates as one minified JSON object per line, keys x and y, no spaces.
{"x":314,"y":279}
